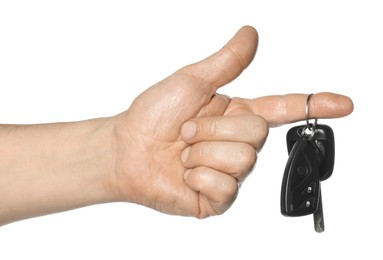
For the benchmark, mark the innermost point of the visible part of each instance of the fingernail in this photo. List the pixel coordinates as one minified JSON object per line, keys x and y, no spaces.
{"x":188,"y":130}
{"x":185,"y":154}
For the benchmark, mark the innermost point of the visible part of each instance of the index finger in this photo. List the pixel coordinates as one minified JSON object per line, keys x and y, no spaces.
{"x":284,"y":109}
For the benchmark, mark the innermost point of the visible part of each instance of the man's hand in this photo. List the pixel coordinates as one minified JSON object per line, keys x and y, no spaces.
{"x":180,"y":148}
{"x":183,"y":149}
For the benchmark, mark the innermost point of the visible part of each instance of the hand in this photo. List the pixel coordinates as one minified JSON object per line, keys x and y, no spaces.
{"x":183,"y":149}
{"x":180,"y":148}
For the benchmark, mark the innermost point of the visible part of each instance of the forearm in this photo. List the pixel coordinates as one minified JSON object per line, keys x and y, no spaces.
{"x":54,"y":167}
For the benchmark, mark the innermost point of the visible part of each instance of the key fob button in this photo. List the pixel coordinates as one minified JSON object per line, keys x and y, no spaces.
{"x":302,"y":170}
{"x":309,"y":203}
{"x":310,"y":189}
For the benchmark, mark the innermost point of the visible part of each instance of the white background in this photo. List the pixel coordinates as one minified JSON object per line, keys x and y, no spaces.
{"x":73,"y":60}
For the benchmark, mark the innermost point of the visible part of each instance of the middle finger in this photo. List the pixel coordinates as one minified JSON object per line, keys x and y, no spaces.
{"x":234,"y":158}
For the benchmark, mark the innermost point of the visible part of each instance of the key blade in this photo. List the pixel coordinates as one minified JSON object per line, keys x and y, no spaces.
{"x":318,"y":216}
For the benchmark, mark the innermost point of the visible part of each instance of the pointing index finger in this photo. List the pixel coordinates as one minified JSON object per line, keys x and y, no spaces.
{"x":283,"y":109}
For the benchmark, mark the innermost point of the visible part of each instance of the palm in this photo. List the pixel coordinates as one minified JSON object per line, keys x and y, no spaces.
{"x":152,"y":127}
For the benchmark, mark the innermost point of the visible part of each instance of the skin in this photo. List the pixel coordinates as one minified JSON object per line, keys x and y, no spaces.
{"x":180,"y":148}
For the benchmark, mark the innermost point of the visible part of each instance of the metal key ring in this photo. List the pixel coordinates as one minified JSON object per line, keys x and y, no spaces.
{"x":309,"y":126}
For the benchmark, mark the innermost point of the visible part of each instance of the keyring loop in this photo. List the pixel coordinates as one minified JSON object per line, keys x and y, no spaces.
{"x":309,"y":126}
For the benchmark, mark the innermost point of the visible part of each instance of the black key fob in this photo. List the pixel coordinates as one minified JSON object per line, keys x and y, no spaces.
{"x":300,"y":185}
{"x":324,"y":138}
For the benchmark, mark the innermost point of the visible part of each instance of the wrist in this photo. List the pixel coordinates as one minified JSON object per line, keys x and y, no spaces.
{"x":50,"y":168}
{"x":98,"y":156}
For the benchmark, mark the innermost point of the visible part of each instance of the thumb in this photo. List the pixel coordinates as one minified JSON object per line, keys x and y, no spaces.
{"x":226,"y":64}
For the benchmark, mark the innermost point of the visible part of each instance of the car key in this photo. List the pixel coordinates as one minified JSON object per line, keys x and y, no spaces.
{"x":311,"y":151}
{"x":301,"y":185}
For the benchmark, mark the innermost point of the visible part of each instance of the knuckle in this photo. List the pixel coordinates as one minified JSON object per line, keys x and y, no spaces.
{"x":260,"y":131}
{"x":203,"y":153}
{"x":212,"y":127}
{"x":246,"y":157}
{"x":264,"y":133}
{"x":227,"y":195}
{"x":232,"y":192}
{"x":264,"y":125}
